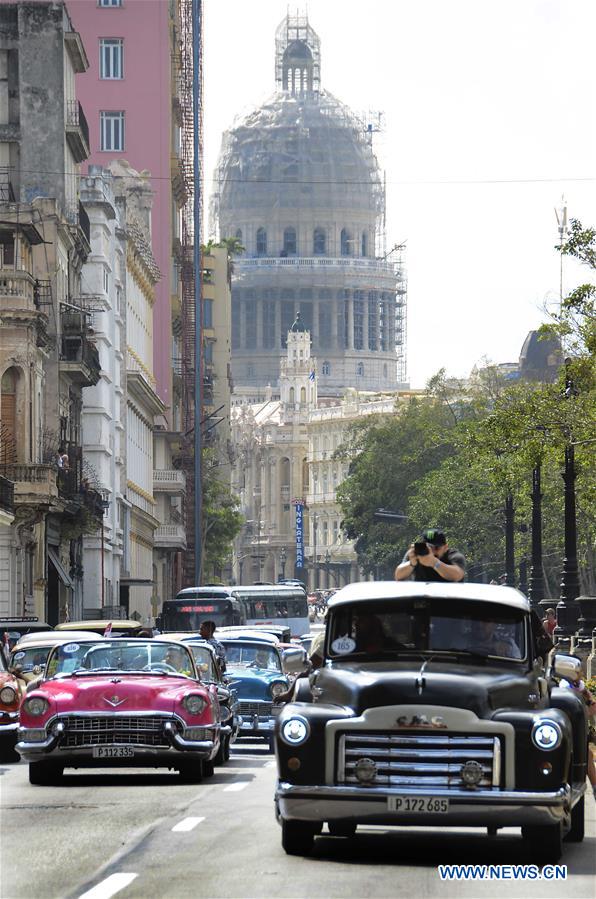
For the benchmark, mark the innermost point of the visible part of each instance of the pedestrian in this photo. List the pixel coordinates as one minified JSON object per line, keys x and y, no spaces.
{"x":580,"y":689}
{"x":206,"y":630}
{"x":550,"y":621}
{"x":431,"y":558}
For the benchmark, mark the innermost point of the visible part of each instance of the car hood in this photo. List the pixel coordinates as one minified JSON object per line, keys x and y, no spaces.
{"x":141,"y":693}
{"x":254,"y":683}
{"x":479,"y":689}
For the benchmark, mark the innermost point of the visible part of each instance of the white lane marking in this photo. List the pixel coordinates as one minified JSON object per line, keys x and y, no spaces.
{"x":109,"y":887}
{"x":234,"y":788}
{"x":186,"y":824}
{"x":269,"y":764}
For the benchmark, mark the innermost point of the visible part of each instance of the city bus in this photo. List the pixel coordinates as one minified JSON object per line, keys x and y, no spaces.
{"x":275,"y":604}
{"x":196,"y":604}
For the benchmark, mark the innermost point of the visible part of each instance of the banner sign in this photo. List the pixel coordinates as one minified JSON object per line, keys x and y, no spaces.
{"x":299,"y":535}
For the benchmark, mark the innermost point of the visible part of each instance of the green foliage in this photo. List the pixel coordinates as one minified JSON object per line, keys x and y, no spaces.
{"x":222,"y":520}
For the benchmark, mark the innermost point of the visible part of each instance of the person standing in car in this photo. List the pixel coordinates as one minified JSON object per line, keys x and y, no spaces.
{"x":206,"y":630}
{"x":431,"y":558}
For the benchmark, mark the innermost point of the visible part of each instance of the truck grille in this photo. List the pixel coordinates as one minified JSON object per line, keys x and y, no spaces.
{"x":141,"y":730}
{"x":262,"y":709}
{"x":417,"y":760}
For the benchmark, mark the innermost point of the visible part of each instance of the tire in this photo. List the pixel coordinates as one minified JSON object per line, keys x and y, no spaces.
{"x":297,"y":837}
{"x":576,"y":832}
{"x":191,"y":772}
{"x":8,"y":753}
{"x":45,"y":774}
{"x":342,"y":828}
{"x":227,"y":750}
{"x":220,"y":758}
{"x":546,"y":840}
{"x":208,"y":768}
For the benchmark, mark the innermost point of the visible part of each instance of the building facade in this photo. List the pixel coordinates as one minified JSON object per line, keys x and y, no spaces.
{"x":298,"y":185}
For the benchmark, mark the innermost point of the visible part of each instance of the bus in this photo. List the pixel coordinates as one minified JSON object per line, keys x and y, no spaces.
{"x":275,"y":604}
{"x":196,"y":604}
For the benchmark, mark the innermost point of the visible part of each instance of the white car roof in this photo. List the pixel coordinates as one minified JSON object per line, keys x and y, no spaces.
{"x":374,"y":590}
{"x":51,"y":638}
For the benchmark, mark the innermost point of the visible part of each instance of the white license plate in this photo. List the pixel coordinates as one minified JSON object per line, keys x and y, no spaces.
{"x":113,"y":752}
{"x":426,"y":804}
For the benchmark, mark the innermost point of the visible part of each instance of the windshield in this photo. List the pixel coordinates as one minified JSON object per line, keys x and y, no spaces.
{"x":248,"y":655}
{"x":28,"y":659}
{"x":204,"y":662}
{"x":425,"y":625}
{"x":187,"y":614}
{"x":122,"y":655}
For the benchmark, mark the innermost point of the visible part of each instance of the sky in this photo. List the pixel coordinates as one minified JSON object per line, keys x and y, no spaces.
{"x":488,"y":120}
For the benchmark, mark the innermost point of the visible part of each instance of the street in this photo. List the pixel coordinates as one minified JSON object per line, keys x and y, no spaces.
{"x":146,"y":835}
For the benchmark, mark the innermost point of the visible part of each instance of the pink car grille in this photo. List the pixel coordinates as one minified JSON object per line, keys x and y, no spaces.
{"x":138,"y":730}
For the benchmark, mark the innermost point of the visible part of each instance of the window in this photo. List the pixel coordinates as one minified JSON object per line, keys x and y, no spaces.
{"x":208,"y":352}
{"x":108,"y":3}
{"x":289,"y":242}
{"x":261,"y":242}
{"x":346,"y":242}
{"x":207,"y":313}
{"x":111,"y":51}
{"x":112,"y":130}
{"x":106,"y":281}
{"x":364,"y":246}
{"x":319,"y":242}
{"x":326,"y":368}
{"x":360,"y":370}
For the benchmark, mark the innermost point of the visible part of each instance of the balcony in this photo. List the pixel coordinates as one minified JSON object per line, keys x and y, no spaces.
{"x":170,"y":536}
{"x":33,"y":484}
{"x":77,"y":130}
{"x":78,"y":356}
{"x":169,"y":481}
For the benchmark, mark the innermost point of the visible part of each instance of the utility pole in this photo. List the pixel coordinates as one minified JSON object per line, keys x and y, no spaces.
{"x":197,"y":16}
{"x":561,"y":216}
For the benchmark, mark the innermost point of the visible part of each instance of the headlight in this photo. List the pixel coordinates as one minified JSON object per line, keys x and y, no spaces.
{"x":8,"y":695}
{"x":194,"y":704}
{"x":295,"y":731}
{"x":36,"y":706}
{"x":546,"y":734}
{"x":276,"y":689}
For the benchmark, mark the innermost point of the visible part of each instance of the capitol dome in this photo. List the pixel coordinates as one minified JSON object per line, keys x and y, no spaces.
{"x":299,"y":186}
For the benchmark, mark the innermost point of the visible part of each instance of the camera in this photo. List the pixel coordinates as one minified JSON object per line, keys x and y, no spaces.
{"x":421,"y":549}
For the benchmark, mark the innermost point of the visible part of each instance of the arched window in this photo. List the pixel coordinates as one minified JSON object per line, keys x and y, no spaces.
{"x":319,"y":242}
{"x":360,"y":369}
{"x":261,"y":242}
{"x":364,"y":244}
{"x":8,"y":416}
{"x":345,"y":242}
{"x":238,"y":234}
{"x":292,"y":396}
{"x":289,"y":242}
{"x":326,"y":368}
{"x":303,"y":395}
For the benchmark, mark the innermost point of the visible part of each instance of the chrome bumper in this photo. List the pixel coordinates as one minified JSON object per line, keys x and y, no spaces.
{"x":466,"y":807}
{"x":255,"y":724}
{"x":10,"y":726}
{"x":203,"y":749}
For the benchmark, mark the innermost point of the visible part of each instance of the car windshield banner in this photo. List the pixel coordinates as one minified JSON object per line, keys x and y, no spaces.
{"x":299,"y":535}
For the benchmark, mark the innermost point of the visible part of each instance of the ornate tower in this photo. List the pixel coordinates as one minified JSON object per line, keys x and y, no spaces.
{"x":297,"y":380}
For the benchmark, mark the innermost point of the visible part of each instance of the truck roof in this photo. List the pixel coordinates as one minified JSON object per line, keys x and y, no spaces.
{"x":375,"y":590}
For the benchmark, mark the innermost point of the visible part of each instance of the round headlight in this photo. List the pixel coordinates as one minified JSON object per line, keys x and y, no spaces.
{"x":36,"y":706}
{"x":277,"y":689}
{"x":295,"y":731}
{"x":547,"y":734}
{"x":8,"y":695}
{"x":195,"y":704}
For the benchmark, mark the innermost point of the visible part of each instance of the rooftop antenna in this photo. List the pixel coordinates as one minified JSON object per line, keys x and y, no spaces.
{"x":561,"y":216}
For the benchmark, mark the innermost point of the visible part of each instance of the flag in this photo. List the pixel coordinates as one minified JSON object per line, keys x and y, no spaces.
{"x":108,"y":630}
{"x":311,"y":376}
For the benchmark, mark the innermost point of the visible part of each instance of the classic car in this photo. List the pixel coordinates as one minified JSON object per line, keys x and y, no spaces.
{"x":10,"y":698}
{"x":433,"y":708}
{"x":12,"y":629}
{"x":255,"y":671}
{"x":117,"y":627}
{"x":28,"y":657}
{"x":122,"y":702}
{"x":206,"y":662}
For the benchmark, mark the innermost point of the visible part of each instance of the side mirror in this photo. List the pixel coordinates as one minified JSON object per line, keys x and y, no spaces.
{"x":294,"y":661}
{"x":222,"y":694}
{"x":567,"y":667}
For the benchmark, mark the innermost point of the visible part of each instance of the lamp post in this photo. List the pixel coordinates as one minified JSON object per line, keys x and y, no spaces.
{"x":536,"y":579}
{"x":567,"y":610}
{"x":328,"y":568}
{"x":282,"y":561}
{"x":509,"y":541}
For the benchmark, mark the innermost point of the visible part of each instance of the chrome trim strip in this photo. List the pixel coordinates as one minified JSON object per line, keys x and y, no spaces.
{"x":420,"y":753}
{"x":496,"y":762}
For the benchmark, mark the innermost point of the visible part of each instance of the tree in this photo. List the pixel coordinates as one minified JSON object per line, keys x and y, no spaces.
{"x":222,"y":519}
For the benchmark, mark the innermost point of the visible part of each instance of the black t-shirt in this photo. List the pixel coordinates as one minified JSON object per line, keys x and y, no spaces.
{"x":422,"y":573}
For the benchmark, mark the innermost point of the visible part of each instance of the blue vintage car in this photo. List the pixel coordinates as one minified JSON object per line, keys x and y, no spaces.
{"x":255,"y":671}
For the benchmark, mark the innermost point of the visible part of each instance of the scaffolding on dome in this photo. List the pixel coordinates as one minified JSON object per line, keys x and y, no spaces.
{"x":295,"y":43}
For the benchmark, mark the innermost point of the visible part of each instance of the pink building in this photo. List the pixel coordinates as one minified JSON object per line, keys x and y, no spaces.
{"x":126,"y":94}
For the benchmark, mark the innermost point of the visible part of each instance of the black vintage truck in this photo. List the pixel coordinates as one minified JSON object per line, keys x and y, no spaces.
{"x":437,"y":705}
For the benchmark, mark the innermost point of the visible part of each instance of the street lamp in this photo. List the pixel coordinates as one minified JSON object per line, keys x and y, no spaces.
{"x":282,"y":561}
{"x":567,"y":611}
{"x":328,"y":567}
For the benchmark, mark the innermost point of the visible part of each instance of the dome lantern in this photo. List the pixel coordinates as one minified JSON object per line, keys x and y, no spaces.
{"x":297,"y":57}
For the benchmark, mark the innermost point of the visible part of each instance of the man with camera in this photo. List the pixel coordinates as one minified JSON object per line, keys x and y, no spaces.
{"x":431,"y":559}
